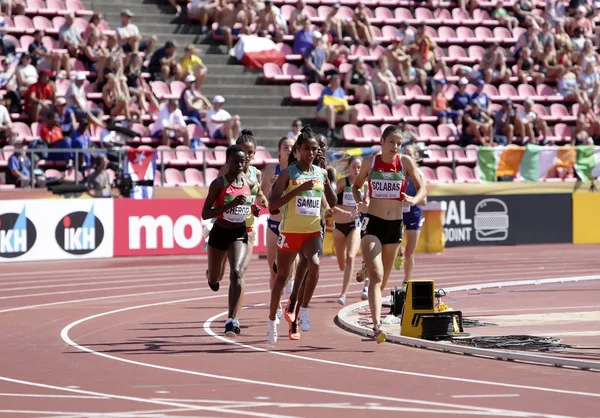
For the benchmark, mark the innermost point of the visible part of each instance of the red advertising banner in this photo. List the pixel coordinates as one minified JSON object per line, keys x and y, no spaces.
{"x":167,"y":227}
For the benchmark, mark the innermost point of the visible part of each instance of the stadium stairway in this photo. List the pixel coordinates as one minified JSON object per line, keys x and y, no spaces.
{"x":266,"y":109}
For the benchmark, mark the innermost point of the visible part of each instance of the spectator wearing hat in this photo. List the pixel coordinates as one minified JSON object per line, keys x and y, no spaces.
{"x":581,"y":21}
{"x":40,"y":96}
{"x":504,"y":122}
{"x":42,"y":59}
{"x":439,"y":103}
{"x":481,"y":98}
{"x":98,"y":181}
{"x":66,"y":115}
{"x":70,"y":37}
{"x":163,"y":63}
{"x":192,"y":103}
{"x":170,"y":125}
{"x":191,"y":64}
{"x":128,"y":35}
{"x":220,"y":123}
{"x":19,"y":167}
{"x":461,"y":99}
{"x":314,"y":59}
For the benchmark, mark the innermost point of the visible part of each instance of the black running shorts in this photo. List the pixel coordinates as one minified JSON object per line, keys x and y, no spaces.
{"x":388,"y":232}
{"x":221,"y":238}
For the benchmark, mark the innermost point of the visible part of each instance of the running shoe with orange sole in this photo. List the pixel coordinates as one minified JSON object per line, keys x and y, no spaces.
{"x":294,"y":332}
{"x":290,"y":312}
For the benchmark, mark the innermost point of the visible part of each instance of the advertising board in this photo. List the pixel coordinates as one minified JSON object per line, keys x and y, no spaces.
{"x":33,"y":230}
{"x":506,"y":219}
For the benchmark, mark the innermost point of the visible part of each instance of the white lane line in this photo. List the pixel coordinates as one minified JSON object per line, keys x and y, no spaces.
{"x":491,"y":395}
{"x":135,"y":399}
{"x":67,"y":339}
{"x":35,"y":395}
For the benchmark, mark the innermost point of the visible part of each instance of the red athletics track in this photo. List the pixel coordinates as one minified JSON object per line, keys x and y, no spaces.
{"x":141,"y":338}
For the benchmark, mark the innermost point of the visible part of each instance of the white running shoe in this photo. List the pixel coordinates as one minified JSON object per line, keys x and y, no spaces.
{"x":365,"y":293}
{"x":279,"y":315}
{"x":272,"y":331}
{"x":341,"y":300}
{"x":289,"y":286}
{"x":304,"y":320}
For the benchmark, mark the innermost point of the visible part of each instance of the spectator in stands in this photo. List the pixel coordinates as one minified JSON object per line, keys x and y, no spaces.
{"x":525,"y":68}
{"x":461,"y":99}
{"x":523,"y":9}
{"x":94,"y":25}
{"x":401,"y":64}
{"x":191,"y":64}
{"x":493,"y":64}
{"x":568,"y":87}
{"x":228,"y":18}
{"x":385,"y":81}
{"x":19,"y":167}
{"x":170,"y":125}
{"x":6,"y":125}
{"x":80,"y":139}
{"x":53,"y":137}
{"x":477,"y":125}
{"x":77,"y":99}
{"x":410,"y":133}
{"x":94,"y":54}
{"x":220,"y":123}
{"x":342,"y":26}
{"x":529,"y":124}
{"x":424,"y":54}
{"x":504,"y":121}
{"x":98,"y":182}
{"x":128,"y":35}
{"x":12,"y":7}
{"x":439,"y":104}
{"x":205,"y":10}
{"x":117,"y":101}
{"x":581,"y":21}
{"x":589,"y":82}
{"x":42,"y":59}
{"x":314,"y":60}
{"x":340,"y":110}
{"x":303,"y":38}
{"x":40,"y":96}
{"x":587,"y":125}
{"x":363,"y":27}
{"x":298,"y":18}
{"x":296,"y":128}
{"x":405,"y":35}
{"x":66,"y":116}
{"x":163,"y":63}
{"x":70,"y":37}
{"x":556,"y":11}
{"x":587,"y":55}
{"x":501,"y":14}
{"x":267,"y":23}
{"x":192,"y":103}
{"x":548,"y":62}
{"x":359,"y":81}
{"x":26,"y":73}
{"x":481,"y":98}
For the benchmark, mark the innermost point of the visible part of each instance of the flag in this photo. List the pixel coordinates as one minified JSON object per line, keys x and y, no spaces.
{"x":140,"y":164}
{"x":255,"y":52}
{"x":535,"y":162}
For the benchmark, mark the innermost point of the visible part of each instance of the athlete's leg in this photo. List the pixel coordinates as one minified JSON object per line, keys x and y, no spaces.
{"x":352,"y":243}
{"x":371,"y":252}
{"x":271,"y":255}
{"x":412,"y":239}
{"x":292,"y":306}
{"x":249,"y":251}
{"x":216,"y":258}
{"x":285,"y":259}
{"x":339,"y":242}
{"x":312,"y":251}
{"x":236,"y":253}
{"x":388,"y":256}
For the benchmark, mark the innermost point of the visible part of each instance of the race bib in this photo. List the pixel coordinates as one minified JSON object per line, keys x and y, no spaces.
{"x":365,"y":222}
{"x":348,"y":199}
{"x":386,"y":189}
{"x":237,"y":214}
{"x":308,"y":206}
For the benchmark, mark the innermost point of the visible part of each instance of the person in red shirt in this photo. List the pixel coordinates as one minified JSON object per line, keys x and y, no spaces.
{"x":51,"y":133}
{"x":39,"y":96}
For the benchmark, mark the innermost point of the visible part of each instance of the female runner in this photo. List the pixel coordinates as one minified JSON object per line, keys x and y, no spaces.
{"x":381,"y":231}
{"x":413,"y":219}
{"x":269,"y":176}
{"x":346,"y":236}
{"x":248,"y":143}
{"x":229,"y":200}
{"x":304,"y":185}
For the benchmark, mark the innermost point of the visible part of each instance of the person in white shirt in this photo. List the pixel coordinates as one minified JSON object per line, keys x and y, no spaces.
{"x":220,"y":124}
{"x":77,"y":100}
{"x":405,"y":34}
{"x":530,"y":125}
{"x":170,"y":125}
{"x":6,"y":124}
{"x":128,"y":35}
{"x":70,"y":37}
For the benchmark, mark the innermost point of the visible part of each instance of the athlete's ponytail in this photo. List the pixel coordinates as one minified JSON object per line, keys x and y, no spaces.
{"x":306,"y":133}
{"x":246,"y":136}
{"x":292,"y":157}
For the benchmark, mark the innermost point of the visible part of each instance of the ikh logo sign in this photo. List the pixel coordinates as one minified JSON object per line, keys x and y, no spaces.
{"x":17,"y":234}
{"x":79,"y":233}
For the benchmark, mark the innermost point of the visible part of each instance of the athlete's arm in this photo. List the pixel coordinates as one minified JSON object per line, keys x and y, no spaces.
{"x":215,"y":188}
{"x":266,"y":182}
{"x":223,"y":170}
{"x":330,"y":195}
{"x":360,"y":182}
{"x":413,"y":173}
{"x":261,"y":200}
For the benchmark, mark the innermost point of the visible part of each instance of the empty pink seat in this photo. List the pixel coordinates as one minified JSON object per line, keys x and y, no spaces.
{"x":210,"y":175}
{"x":470,"y":155}
{"x":299,"y":92}
{"x":194,"y":177}
{"x":173,"y":177}
{"x":177,"y":88}
{"x":464,"y":174}
{"x":437,"y":155}
{"x":160,"y":89}
{"x":444,"y":174}
{"x":371,"y":133}
{"x":218,"y":156}
{"x":427,"y":133}
{"x":428,"y":174}
{"x":164,"y":155}
{"x":352,"y":133}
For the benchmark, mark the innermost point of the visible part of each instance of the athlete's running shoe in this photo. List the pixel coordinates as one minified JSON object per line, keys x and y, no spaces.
{"x":341,"y":300}
{"x":290,"y":312}
{"x":399,"y":259}
{"x":236,"y":327}
{"x":304,"y":320}
{"x":362,"y":273}
{"x":294,"y":333}
{"x":365,"y":293}
{"x":278,"y":315}
{"x":272,"y":331}
{"x":229,"y":331}
{"x":379,"y":334}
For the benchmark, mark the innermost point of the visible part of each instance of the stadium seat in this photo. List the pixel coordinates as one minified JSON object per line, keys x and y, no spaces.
{"x":464,"y":174}
{"x":444,"y":174}
{"x":194,"y":177}
{"x":173,"y":178}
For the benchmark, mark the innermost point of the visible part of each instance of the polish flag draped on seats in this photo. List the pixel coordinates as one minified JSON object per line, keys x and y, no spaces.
{"x":255,"y":52}
{"x":140,"y":164}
